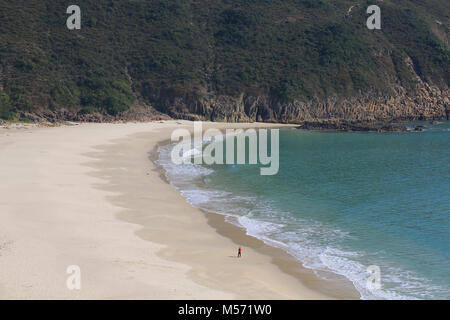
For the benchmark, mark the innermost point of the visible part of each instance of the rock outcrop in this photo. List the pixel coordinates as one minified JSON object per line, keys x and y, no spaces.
{"x":349,"y":126}
{"x":427,"y":103}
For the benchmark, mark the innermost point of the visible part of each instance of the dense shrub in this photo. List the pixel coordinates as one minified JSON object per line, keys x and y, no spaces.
{"x":111,"y":96}
{"x":5,"y":107}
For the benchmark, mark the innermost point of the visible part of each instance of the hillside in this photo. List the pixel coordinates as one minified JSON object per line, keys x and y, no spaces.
{"x":270,"y":60}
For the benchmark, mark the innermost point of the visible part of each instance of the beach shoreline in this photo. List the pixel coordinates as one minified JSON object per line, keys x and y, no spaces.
{"x":335,"y":287}
{"x":90,"y":196}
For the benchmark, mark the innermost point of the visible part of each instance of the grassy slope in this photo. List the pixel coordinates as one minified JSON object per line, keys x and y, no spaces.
{"x":291,"y":49}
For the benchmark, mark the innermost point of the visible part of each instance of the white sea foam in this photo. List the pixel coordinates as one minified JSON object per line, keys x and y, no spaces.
{"x":309,"y":241}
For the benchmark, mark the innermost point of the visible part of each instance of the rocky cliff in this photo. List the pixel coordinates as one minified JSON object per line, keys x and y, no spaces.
{"x":427,"y":103}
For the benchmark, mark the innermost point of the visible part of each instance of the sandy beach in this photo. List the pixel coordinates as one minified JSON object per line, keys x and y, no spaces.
{"x":89,"y":195}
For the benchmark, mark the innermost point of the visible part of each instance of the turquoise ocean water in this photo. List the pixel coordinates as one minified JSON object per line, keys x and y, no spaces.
{"x":342,"y":202}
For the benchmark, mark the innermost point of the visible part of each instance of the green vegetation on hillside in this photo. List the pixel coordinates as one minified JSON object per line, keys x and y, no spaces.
{"x":146,"y":50}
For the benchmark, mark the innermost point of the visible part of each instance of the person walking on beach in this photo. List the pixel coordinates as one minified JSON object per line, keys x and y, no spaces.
{"x":239,"y":252}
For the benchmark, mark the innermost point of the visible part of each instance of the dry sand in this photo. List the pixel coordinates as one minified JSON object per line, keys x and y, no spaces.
{"x":88,"y":195}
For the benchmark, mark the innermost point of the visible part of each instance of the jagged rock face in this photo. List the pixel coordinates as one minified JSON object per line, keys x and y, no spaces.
{"x":427,"y":103}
